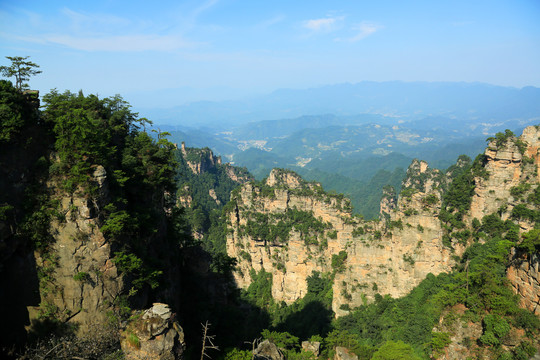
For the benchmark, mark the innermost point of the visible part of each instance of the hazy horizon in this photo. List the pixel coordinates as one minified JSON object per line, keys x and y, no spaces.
{"x":224,"y":49}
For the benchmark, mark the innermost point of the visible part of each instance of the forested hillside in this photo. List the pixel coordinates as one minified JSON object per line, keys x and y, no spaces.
{"x":116,"y":244}
{"x":466,"y":232}
{"x":89,"y":228}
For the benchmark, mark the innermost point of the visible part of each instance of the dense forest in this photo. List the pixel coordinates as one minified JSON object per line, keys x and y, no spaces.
{"x":89,"y":163}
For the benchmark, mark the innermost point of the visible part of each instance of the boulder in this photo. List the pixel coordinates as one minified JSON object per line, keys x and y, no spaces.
{"x":153,"y":335}
{"x":344,"y":354}
{"x":313,"y":346}
{"x":267,"y":350}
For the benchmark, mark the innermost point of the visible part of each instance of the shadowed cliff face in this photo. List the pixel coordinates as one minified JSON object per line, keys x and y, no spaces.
{"x":84,"y":209}
{"x":390,"y":256}
{"x":23,"y":167}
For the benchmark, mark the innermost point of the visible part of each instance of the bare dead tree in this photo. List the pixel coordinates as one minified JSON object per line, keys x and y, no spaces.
{"x":254,"y":345}
{"x":208,"y":341}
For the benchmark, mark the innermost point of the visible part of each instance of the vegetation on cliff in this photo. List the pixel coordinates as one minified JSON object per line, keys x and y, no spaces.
{"x":85,"y":147}
{"x":90,"y":132}
{"x":477,"y":283}
{"x":203,"y":194}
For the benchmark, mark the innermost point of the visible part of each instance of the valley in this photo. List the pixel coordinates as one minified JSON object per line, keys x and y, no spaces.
{"x":129,"y":242}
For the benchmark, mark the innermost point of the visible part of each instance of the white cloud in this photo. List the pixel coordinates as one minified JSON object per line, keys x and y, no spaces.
{"x":362,"y":30}
{"x":79,"y":19}
{"x":323,"y":25}
{"x":126,"y":43}
{"x":102,"y":32}
{"x":207,"y":5}
{"x":272,"y":21}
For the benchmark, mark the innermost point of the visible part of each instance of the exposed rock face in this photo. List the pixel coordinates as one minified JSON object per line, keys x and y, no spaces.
{"x":234,"y":176}
{"x":184,"y":197}
{"x":267,"y":350}
{"x":313,"y":346}
{"x":463,"y":335}
{"x":344,"y":354}
{"x":155,"y":335}
{"x":388,"y":202}
{"x":212,"y":194}
{"x":200,"y":160}
{"x":386,"y":258}
{"x":506,"y":168}
{"x":284,"y":178}
{"x":85,"y":280}
{"x":524,"y":276}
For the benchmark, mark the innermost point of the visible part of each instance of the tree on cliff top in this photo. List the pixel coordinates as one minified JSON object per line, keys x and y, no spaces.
{"x":21,"y":69}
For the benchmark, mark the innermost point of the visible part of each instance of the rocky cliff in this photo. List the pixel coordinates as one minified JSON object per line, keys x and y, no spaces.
{"x":80,"y":283}
{"x":308,"y":230}
{"x":509,"y":162}
{"x":199,"y":160}
{"x":204,"y":176}
{"x":23,"y":170}
{"x":205,"y":185}
{"x":387,"y":257}
{"x":524,"y":276}
{"x":84,"y":214}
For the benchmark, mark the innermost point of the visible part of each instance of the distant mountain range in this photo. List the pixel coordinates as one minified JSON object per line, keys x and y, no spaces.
{"x":353,"y":138}
{"x":401,"y":101}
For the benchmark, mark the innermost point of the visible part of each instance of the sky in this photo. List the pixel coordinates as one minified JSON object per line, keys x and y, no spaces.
{"x":166,"y":53}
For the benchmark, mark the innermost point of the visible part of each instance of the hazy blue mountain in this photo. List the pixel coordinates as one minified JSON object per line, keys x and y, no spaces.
{"x":354,"y":137}
{"x":268,"y":129}
{"x":474,"y":102}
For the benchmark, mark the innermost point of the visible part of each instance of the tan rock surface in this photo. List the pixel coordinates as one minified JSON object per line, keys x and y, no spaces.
{"x":154,"y":335}
{"x":392,"y":264}
{"x":387,"y":257}
{"x":524,"y":276}
{"x":86,"y":281}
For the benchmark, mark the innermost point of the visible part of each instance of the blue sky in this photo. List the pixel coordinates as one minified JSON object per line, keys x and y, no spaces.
{"x":221,"y":49}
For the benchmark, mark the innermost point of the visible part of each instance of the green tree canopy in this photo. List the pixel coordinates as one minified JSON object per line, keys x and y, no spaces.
{"x":21,"y":69}
{"x":395,"y":351}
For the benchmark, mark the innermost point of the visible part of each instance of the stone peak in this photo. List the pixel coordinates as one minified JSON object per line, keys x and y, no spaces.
{"x":285,"y":178}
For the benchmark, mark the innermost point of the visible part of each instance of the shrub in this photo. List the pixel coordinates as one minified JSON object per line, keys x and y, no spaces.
{"x":495,"y":327}
{"x":439,"y":340}
{"x":133,"y":340}
{"x":338,"y":261}
{"x":81,"y":276}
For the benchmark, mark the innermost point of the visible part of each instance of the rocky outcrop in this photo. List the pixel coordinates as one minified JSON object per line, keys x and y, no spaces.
{"x":508,"y":163}
{"x":154,"y":335}
{"x":212,"y":194}
{"x":312,"y":346}
{"x":236,"y":176}
{"x":388,"y":202}
{"x":184,"y":197}
{"x":390,"y":256}
{"x":461,"y":333}
{"x":23,"y":167}
{"x":344,"y":354}
{"x":82,"y":282}
{"x":524,"y":276}
{"x":200,"y":160}
{"x":267,"y":350}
